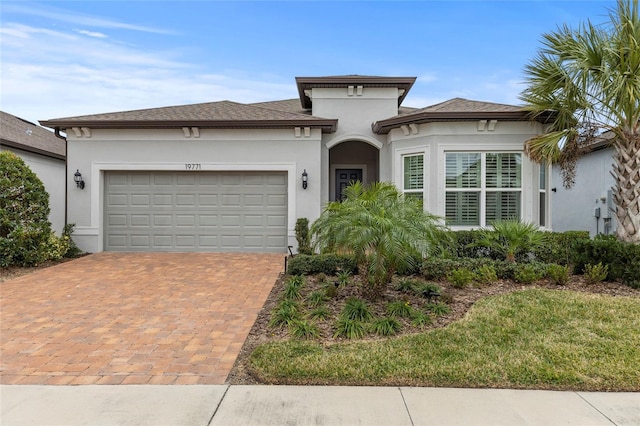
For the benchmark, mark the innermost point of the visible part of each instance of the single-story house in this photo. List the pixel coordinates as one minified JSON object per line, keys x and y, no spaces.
{"x":226,"y":176}
{"x":44,"y":153}
{"x":588,"y":204}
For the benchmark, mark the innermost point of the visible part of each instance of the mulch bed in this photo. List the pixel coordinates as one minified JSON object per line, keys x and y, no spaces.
{"x":459,"y":300}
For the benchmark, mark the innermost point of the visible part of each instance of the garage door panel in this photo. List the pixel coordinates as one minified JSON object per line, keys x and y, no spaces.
{"x":141,"y":179}
{"x":140,"y":220}
{"x":140,"y":241}
{"x":195,"y":211}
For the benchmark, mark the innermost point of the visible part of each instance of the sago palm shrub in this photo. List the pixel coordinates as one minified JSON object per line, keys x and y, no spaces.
{"x":380,"y":227}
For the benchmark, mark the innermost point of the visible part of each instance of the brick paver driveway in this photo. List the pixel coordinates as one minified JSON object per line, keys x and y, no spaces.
{"x":127,"y":318}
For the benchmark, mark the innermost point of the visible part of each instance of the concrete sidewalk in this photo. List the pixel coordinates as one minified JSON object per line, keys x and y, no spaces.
{"x":306,"y":405}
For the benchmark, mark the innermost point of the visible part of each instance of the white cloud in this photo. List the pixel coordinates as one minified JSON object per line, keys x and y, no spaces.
{"x":50,"y":74}
{"x":91,"y":33}
{"x":80,"y":19}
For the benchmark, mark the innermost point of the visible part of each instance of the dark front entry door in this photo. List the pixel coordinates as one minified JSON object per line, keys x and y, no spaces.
{"x":344,"y":177}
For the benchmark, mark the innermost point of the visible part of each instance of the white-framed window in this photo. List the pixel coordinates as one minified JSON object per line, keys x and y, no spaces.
{"x":413,"y":176}
{"x":482,"y":187}
{"x":542,"y":197}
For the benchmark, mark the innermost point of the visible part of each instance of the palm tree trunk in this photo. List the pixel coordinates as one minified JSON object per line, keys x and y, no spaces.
{"x":626,"y":195}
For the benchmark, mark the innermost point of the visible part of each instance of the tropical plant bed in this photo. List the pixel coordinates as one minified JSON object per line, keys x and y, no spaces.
{"x":459,"y":301}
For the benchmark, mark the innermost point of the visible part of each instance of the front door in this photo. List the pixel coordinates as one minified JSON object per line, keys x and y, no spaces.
{"x":344,"y":178}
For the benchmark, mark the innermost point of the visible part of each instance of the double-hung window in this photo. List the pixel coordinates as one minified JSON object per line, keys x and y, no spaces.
{"x":482,"y":187}
{"x":413,"y":176}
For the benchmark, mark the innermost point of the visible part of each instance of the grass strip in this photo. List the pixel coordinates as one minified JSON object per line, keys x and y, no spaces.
{"x":530,"y":339}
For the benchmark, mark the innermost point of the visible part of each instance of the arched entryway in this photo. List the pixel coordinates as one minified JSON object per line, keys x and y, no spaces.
{"x":352,"y":160}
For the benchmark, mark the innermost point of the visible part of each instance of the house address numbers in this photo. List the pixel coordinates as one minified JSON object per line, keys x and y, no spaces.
{"x":193,"y":166}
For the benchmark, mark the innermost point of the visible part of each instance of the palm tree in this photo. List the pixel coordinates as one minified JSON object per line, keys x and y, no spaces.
{"x":589,"y":78}
{"x":379,"y":226}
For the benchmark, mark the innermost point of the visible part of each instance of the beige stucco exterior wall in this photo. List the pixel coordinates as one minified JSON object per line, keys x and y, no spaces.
{"x":355,"y":111}
{"x":51,"y":173}
{"x":169,"y":150}
{"x":574,"y":208}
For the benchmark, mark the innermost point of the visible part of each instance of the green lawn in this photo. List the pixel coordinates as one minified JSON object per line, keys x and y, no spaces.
{"x":537,"y":339}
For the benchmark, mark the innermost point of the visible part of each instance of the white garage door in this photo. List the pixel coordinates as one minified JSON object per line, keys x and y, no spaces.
{"x":195,"y":211}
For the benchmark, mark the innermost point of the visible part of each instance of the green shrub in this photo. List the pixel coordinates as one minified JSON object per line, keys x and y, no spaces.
{"x":284,"y":314}
{"x":303,"y":237}
{"x":558,"y":274}
{"x":528,"y":273}
{"x":505,"y":270}
{"x":486,"y":274}
{"x":622,"y":258}
{"x":349,"y":328}
{"x":303,"y":329}
{"x":25,"y":231}
{"x":559,"y":247}
{"x":399,"y":308}
{"x":356,"y":309}
{"x":387,"y":326}
{"x":466,"y":245}
{"x":330,"y":264}
{"x":460,"y":278}
{"x":438,"y":309}
{"x":437,"y":268}
{"x":330,"y":290}
{"x":594,"y":274}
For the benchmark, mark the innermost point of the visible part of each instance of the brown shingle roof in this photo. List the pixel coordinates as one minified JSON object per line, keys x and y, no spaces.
{"x":290,"y":105}
{"x":225,"y":114}
{"x":457,"y":109}
{"x":21,"y":134}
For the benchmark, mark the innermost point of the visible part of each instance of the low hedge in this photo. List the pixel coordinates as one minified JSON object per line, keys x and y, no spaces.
{"x":622,"y":258}
{"x":329,"y":264}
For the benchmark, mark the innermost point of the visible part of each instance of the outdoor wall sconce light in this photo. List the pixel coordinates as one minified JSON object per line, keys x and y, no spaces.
{"x":305,"y":178}
{"x":77,"y":178}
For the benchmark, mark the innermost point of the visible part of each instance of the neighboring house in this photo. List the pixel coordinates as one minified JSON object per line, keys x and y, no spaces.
{"x":225,"y":176}
{"x":588,"y":204}
{"x":44,"y":153}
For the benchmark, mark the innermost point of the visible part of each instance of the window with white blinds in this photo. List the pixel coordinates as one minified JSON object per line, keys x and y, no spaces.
{"x":542,"y":188}
{"x":482,"y":187}
{"x":413,"y":175}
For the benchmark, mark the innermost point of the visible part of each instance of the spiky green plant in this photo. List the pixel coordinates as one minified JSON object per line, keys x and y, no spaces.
{"x":302,"y":329}
{"x":380,"y":227}
{"x":287,"y":311}
{"x":387,"y":326}
{"x":316,"y":298}
{"x":320,"y":313}
{"x":399,"y":308}
{"x":349,"y":328}
{"x":511,"y":237}
{"x":356,"y":309}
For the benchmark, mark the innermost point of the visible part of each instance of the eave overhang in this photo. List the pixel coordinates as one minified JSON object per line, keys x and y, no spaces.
{"x":32,"y":149}
{"x":326,"y":125}
{"x":383,"y":127}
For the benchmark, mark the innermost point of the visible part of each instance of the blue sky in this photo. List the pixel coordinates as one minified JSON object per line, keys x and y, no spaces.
{"x":71,"y":58}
